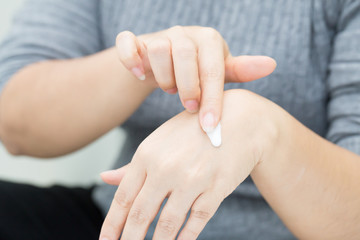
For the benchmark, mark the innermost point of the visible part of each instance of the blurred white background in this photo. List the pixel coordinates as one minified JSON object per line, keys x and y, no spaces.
{"x":78,"y":169}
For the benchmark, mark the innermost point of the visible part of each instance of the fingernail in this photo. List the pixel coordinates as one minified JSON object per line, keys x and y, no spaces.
{"x":171,"y":90}
{"x":107,"y":172}
{"x":191,"y":105}
{"x":138,"y":73}
{"x":208,"y":122}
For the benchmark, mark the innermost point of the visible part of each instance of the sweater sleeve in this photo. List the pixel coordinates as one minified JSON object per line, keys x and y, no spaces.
{"x":44,"y":30}
{"x":344,"y":80}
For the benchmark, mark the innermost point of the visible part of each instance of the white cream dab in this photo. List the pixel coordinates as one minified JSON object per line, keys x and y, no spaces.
{"x":215,"y":136}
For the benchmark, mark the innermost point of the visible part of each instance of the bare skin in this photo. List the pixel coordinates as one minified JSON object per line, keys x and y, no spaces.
{"x":75,"y":100}
{"x":67,"y":104}
{"x":312,"y":184}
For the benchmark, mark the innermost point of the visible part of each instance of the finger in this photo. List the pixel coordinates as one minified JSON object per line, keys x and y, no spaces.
{"x":184,"y":54}
{"x":122,"y":202}
{"x":202,"y":211}
{"x":174,"y":214}
{"x":248,"y":68}
{"x":145,"y":208}
{"x":114,"y":177}
{"x":212,"y":74}
{"x":129,"y":51}
{"x":159,"y":54}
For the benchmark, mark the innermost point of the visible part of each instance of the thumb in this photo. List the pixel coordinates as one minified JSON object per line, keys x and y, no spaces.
{"x":248,"y":68}
{"x":114,"y":177}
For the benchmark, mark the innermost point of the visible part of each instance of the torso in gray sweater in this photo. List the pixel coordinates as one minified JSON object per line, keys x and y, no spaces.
{"x":315,"y":43}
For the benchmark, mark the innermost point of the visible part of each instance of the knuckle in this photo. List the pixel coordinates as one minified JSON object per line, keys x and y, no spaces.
{"x":189,"y":91}
{"x":143,"y":151}
{"x":126,"y":55}
{"x":214,"y":102}
{"x":126,"y":58}
{"x":167,"y":226}
{"x":222,"y":193}
{"x":184,"y":49}
{"x":210,"y":73}
{"x":200,"y":214}
{"x":109,"y":226}
{"x":164,"y":168}
{"x":138,"y":216}
{"x":123,"y":35}
{"x":121,"y":198}
{"x":177,"y":28}
{"x":195,"y":175}
{"x":210,"y":32}
{"x":159,"y":46}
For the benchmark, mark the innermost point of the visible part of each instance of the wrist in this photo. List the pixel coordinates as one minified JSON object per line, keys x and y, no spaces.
{"x":255,"y":118}
{"x":277,"y":144}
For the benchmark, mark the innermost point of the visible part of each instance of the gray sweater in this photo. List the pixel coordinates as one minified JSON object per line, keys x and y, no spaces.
{"x":315,"y":43}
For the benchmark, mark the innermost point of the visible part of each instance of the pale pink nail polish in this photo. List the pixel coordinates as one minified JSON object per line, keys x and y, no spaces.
{"x":191,"y":105}
{"x":171,"y":90}
{"x":138,"y":73}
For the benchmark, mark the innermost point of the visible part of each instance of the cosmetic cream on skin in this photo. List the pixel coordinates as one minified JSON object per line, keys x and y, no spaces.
{"x":215,"y":136}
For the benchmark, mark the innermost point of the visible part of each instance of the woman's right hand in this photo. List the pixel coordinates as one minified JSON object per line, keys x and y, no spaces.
{"x":195,"y":61}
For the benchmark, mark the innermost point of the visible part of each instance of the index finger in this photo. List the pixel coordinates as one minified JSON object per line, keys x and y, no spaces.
{"x":212,"y":77}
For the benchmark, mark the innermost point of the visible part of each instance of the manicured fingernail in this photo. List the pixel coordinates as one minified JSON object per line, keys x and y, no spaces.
{"x":171,"y":90}
{"x":191,"y":105}
{"x":138,"y":73}
{"x":107,"y":172}
{"x":208,"y":122}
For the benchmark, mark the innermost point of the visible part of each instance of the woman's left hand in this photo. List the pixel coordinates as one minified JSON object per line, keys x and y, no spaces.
{"x":177,"y":161}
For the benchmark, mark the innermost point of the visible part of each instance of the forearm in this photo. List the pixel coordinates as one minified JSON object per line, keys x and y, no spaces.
{"x":312,"y":184}
{"x":55,"y":107}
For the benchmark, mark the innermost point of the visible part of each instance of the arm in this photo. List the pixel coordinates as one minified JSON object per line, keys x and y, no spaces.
{"x":62,"y":90}
{"x":55,"y":107}
{"x":311,"y":183}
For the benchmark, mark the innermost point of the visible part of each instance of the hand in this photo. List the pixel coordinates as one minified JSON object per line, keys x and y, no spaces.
{"x":193,"y":60}
{"x":177,"y":161}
